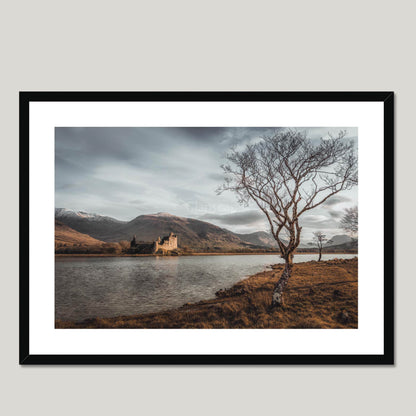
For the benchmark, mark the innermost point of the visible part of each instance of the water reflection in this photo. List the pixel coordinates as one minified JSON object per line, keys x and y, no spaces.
{"x":113,"y":286}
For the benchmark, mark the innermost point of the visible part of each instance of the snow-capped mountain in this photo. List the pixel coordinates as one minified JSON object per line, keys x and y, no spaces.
{"x":70,"y":213}
{"x":95,"y":225}
{"x":161,"y":214}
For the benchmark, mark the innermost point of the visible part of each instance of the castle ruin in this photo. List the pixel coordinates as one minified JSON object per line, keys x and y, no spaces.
{"x":167,"y":243}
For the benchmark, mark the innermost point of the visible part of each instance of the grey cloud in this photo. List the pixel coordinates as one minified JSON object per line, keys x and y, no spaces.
{"x":335,"y":214}
{"x":124,"y":172}
{"x":321,"y":132}
{"x":65,"y":186}
{"x":205,"y":134}
{"x":317,"y":222}
{"x":337,"y":199}
{"x":242,"y":135}
{"x":219,"y":177}
{"x":236,"y":218}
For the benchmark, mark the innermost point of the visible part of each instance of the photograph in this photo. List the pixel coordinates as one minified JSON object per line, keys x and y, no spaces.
{"x":206,"y":227}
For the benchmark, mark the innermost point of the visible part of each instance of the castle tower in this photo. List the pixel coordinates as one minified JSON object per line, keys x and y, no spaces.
{"x":172,"y":241}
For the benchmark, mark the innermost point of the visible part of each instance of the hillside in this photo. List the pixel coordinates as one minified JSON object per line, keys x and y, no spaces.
{"x":195,"y":234}
{"x":68,"y":236}
{"x":192,"y":234}
{"x":263,"y":239}
{"x":350,"y":245}
{"x":97,"y":226}
{"x":259,"y":238}
{"x":337,"y":240}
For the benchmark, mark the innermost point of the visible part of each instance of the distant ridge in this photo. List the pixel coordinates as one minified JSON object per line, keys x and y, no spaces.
{"x":258,"y":238}
{"x":97,"y":226}
{"x":65,"y":235}
{"x":339,"y":239}
{"x":192,"y":233}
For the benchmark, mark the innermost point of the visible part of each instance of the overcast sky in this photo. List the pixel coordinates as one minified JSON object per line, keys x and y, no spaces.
{"x":126,"y":172}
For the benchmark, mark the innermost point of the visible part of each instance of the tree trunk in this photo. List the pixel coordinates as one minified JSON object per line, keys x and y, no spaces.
{"x":320,"y":255}
{"x":277,"y":298}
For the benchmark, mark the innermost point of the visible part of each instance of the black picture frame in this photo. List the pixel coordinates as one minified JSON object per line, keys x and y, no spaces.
{"x":387,"y":98}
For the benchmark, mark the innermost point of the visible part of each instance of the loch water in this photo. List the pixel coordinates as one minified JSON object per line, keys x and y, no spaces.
{"x":90,"y":287}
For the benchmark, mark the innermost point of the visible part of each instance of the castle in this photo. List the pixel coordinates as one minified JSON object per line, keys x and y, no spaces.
{"x":167,"y":243}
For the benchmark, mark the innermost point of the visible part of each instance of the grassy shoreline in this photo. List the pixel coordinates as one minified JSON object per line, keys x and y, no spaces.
{"x":319,"y":295}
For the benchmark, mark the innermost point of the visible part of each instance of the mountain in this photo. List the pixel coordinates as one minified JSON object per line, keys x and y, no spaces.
{"x":336,"y":240}
{"x":263,"y":239}
{"x":97,"y":226}
{"x":258,"y":238}
{"x":342,"y":242}
{"x":192,"y":233}
{"x":195,"y":234}
{"x":65,"y":235}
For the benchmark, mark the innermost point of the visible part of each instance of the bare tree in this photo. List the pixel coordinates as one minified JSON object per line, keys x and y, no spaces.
{"x":286,"y":175}
{"x":319,"y":239}
{"x":349,"y":221}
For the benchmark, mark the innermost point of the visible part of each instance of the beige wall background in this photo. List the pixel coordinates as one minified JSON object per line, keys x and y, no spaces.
{"x":208,"y":45}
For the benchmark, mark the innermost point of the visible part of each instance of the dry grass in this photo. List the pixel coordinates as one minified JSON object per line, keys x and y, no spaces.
{"x":68,"y":236}
{"x":319,"y":295}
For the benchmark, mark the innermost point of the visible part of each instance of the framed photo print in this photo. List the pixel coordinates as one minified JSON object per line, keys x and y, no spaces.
{"x":206,"y":228}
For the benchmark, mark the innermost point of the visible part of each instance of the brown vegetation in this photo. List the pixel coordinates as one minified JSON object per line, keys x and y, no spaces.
{"x":318,"y":295}
{"x":69,"y":241}
{"x":68,"y":236}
